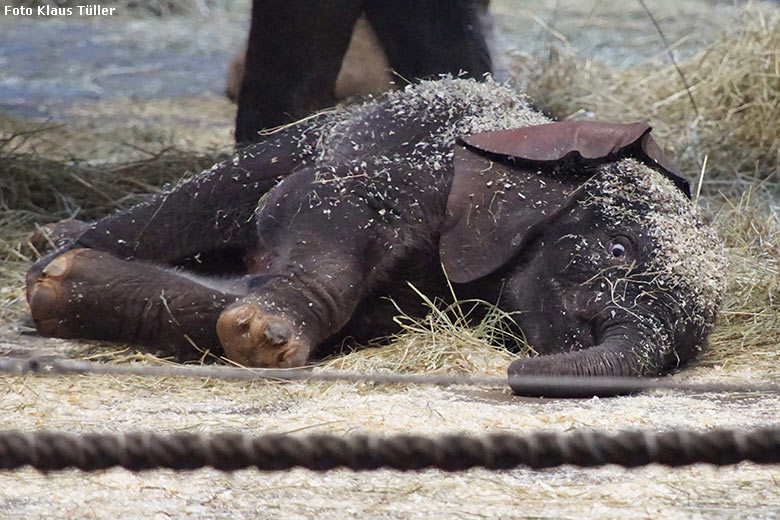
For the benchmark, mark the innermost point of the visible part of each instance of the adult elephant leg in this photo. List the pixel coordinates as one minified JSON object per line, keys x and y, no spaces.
{"x":423,"y":38}
{"x":293,"y":58}
{"x":90,"y":294}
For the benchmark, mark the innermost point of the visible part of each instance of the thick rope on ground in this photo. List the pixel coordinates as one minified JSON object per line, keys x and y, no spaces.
{"x":48,"y":451}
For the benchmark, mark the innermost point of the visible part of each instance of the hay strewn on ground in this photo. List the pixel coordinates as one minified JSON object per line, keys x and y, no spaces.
{"x":54,"y":189}
{"x":749,"y":324}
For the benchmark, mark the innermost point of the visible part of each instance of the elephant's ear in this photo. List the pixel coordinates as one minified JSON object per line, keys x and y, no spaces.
{"x":507,"y":186}
{"x":492,"y":208}
{"x":588,"y":140}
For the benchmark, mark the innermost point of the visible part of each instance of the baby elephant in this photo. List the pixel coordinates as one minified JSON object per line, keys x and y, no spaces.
{"x":579,"y":229}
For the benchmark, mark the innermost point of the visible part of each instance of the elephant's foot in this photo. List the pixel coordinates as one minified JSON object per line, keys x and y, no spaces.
{"x":65,"y":298}
{"x":252,"y":337}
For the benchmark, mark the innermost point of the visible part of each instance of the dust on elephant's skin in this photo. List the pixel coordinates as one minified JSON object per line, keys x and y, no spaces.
{"x":580,"y":230}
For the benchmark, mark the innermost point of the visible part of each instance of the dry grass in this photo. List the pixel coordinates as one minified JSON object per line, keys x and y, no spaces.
{"x":53,"y":189}
{"x":122,"y":130}
{"x":734,"y":119}
{"x":441,"y":342}
{"x":749,"y":324}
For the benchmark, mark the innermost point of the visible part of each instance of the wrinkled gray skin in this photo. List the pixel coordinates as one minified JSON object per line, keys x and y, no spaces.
{"x":607,"y":267}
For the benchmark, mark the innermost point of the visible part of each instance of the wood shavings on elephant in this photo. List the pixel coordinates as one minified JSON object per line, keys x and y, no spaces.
{"x":685,"y":256}
{"x":687,"y":247}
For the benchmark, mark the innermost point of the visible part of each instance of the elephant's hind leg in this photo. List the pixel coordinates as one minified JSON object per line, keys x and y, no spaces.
{"x":85,"y":293}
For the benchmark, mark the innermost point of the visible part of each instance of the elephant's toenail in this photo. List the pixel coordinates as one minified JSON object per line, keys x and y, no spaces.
{"x":57,"y":267}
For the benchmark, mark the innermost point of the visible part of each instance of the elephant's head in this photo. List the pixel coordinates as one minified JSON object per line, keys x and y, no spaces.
{"x":594,"y":242}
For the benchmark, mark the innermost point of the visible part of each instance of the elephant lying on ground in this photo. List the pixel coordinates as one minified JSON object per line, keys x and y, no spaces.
{"x":579,"y":229}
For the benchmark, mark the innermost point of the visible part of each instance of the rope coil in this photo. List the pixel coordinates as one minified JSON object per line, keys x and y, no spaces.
{"x":49,"y":451}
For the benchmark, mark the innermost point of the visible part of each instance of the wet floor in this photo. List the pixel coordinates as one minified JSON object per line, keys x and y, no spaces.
{"x":46,"y":63}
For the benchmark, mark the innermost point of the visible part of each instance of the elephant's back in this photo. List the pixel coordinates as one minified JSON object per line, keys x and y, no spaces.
{"x":420,"y":125}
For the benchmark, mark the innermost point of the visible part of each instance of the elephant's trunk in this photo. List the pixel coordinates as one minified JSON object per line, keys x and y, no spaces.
{"x":624,"y":354}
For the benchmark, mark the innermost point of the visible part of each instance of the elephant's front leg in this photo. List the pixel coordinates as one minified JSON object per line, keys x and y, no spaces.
{"x":279,"y":323}
{"x":335,"y":239}
{"x":85,"y":293}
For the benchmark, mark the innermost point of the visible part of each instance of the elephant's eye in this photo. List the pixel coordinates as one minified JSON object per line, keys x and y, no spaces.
{"x":618,"y":250}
